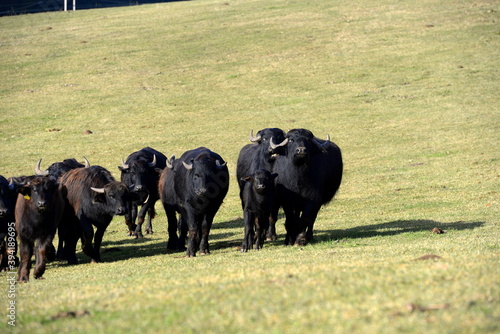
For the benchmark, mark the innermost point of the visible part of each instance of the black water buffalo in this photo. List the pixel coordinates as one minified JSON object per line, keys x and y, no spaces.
{"x":92,"y":197}
{"x":257,"y":200}
{"x":39,"y":208}
{"x":141,"y":172}
{"x":261,"y":155}
{"x":194,"y":186}
{"x":57,"y":169}
{"x":8,"y":199}
{"x":309,"y":175}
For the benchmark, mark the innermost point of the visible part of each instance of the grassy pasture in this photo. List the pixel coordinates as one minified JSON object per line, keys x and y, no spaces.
{"x":408,"y":90}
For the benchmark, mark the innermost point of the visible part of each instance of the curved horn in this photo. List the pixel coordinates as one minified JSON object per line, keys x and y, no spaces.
{"x":187,"y":166}
{"x":147,"y":199}
{"x":219,"y":165}
{"x":153,"y":163}
{"x":254,"y":139}
{"x":170,"y":163}
{"x":322,"y":146}
{"x":124,"y":165}
{"x":40,"y":172}
{"x":328,"y":137}
{"x":98,"y":190}
{"x":87,"y":163}
{"x":273,"y":145}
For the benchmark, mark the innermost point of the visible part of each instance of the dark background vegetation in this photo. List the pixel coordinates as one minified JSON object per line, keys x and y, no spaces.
{"x":17,"y":7}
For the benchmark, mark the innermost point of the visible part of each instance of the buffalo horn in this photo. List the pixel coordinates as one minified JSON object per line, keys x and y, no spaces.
{"x":147,"y":199}
{"x":98,"y":190}
{"x":187,"y":166}
{"x":254,"y":139}
{"x":322,"y":146}
{"x":273,"y":145}
{"x":124,"y":165}
{"x":87,"y":163}
{"x":170,"y":162}
{"x":153,"y":163}
{"x":40,"y":172}
{"x":219,"y":165}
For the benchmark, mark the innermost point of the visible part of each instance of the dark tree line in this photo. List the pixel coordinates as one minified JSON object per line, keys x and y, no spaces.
{"x":18,"y":7}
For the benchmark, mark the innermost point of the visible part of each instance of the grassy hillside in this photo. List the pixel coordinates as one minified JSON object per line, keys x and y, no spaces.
{"x":408,"y":90}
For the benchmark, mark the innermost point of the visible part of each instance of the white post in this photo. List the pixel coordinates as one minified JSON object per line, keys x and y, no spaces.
{"x":65,"y":5}
{"x":74,"y":4}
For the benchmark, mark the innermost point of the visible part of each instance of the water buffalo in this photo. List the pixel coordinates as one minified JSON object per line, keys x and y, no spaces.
{"x":93,"y":197}
{"x":141,"y":172}
{"x":261,"y":155}
{"x":39,"y":208}
{"x":309,"y":175}
{"x":257,"y":200}
{"x":57,"y":169}
{"x":8,"y":199}
{"x":194,"y":186}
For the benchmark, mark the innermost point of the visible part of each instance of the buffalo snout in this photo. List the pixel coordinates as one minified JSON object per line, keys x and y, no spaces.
{"x":121,"y":211}
{"x":301,"y":150}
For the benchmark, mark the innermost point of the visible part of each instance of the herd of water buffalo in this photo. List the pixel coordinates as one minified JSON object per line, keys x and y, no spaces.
{"x":294,"y":171}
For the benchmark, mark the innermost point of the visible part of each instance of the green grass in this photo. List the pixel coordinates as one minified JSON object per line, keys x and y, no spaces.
{"x":408,"y":90}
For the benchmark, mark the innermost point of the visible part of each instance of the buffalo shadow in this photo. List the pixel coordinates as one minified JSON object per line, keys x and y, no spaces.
{"x":391,"y":228}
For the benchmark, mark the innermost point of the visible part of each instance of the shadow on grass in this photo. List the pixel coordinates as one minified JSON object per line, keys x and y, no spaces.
{"x":127,"y":248}
{"x":392,"y":228}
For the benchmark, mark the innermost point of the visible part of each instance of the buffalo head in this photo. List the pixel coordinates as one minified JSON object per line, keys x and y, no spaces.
{"x":114,"y":196}
{"x":272,"y":142}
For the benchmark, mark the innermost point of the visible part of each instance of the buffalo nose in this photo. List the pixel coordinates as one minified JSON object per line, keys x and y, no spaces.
{"x":301,"y":150}
{"x":139,"y":188}
{"x":121,"y":211}
{"x":3,"y":212}
{"x":40,"y":204}
{"x":261,"y":186}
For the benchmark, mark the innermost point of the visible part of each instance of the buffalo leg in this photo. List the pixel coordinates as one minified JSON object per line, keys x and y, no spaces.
{"x":306,"y":224}
{"x":291,"y":222}
{"x":173,"y":239}
{"x":193,"y":234}
{"x":41,"y":251}
{"x":149,"y":224}
{"x":99,"y":233}
{"x":130,"y":217}
{"x":87,"y":238}
{"x":249,"y":233}
{"x":205,"y":231}
{"x":26,"y":252}
{"x":183,"y":231}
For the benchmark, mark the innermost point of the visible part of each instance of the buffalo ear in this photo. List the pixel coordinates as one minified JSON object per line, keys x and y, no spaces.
{"x":24,"y":190}
{"x":247,"y":179}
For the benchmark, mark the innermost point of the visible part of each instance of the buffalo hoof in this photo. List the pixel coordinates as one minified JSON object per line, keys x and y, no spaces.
{"x":40,"y":278}
{"x":273,"y":237}
{"x":148,"y":231}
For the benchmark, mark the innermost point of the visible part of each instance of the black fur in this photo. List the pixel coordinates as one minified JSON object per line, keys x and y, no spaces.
{"x":38,"y":212}
{"x":260,"y":155}
{"x":142,"y":178}
{"x":86,"y":208}
{"x":310,"y":174}
{"x":196,"y":194}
